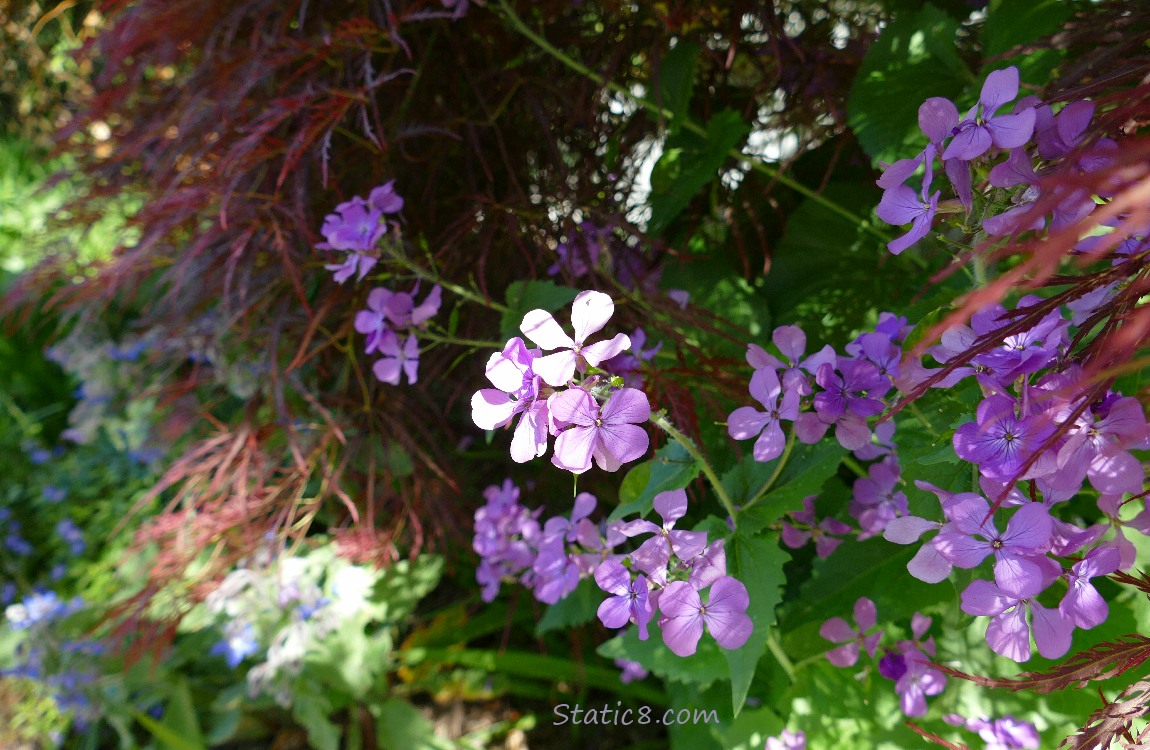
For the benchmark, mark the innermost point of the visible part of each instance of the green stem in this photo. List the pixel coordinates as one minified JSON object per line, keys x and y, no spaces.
{"x":922,"y":418}
{"x":775,"y":474}
{"x":854,"y":466}
{"x":780,"y":655}
{"x":456,"y":289}
{"x":661,"y":421}
{"x":474,"y":343}
{"x":687,"y":124}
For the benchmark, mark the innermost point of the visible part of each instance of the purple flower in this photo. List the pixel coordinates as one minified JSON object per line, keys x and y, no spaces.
{"x":238,"y":644}
{"x":982,"y":127}
{"x":836,"y":630}
{"x":1001,"y":442}
{"x":355,"y":226}
{"x":1016,"y":551}
{"x":53,"y":494}
{"x":684,"y":615}
{"x":632,"y":670}
{"x":630,"y":601}
{"x":384,"y":199}
{"x":516,"y":392}
{"x":918,"y":681}
{"x":70,"y":533}
{"x":611,"y":434}
{"x":788,"y":740}
{"x":900,"y":205}
{"x":1083,"y":605}
{"x":747,"y":422}
{"x":709,"y":565}
{"x":589,"y":313}
{"x":1096,"y":446}
{"x":1008,"y":633}
{"x":792,"y":344}
{"x":397,"y":361}
{"x":654,"y":554}
{"x":876,"y":501}
{"x":857,"y":389}
{"x":825,"y":542}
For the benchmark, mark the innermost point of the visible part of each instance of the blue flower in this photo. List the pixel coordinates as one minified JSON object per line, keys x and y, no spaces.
{"x":237,"y":646}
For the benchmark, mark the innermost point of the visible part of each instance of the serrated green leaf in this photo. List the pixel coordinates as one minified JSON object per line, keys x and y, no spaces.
{"x":677,"y":78}
{"x":913,"y":59}
{"x":807,"y":469}
{"x":577,"y":608}
{"x":525,"y":296}
{"x":758,"y":562}
{"x":672,"y":468}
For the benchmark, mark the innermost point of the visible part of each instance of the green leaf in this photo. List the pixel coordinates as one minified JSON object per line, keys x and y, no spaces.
{"x":166,"y":735}
{"x":704,"y":667}
{"x":311,"y":710}
{"x":401,"y":586}
{"x":913,"y":59}
{"x":677,"y":78}
{"x":690,"y":162}
{"x":758,"y":562}
{"x":525,"y":296}
{"x":1010,"y":24}
{"x":576,"y":608}
{"x":400,"y":726}
{"x":671,"y":469}
{"x":807,"y":469}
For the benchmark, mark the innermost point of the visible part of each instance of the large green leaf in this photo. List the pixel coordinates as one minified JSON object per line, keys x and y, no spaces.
{"x":677,"y":79}
{"x":1011,"y":24}
{"x":913,"y":59}
{"x":758,"y":562}
{"x":704,"y":667}
{"x":577,"y":608}
{"x":525,"y":296}
{"x":690,"y":162}
{"x":400,"y":726}
{"x":807,"y":468}
{"x":672,"y":468}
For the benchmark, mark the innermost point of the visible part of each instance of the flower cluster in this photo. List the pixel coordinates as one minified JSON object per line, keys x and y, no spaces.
{"x":907,"y":663}
{"x":354,"y":230}
{"x":666,"y":574}
{"x":592,"y":417}
{"x":969,"y":144}
{"x":390,"y":323}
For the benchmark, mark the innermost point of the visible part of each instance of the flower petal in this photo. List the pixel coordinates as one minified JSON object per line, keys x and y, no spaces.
{"x":541,"y":327}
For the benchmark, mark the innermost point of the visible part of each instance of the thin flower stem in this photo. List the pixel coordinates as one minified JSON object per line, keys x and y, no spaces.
{"x":664,"y":424}
{"x":780,"y":655}
{"x":922,"y":418}
{"x":775,"y":474}
{"x":474,"y":343}
{"x":687,"y":124}
{"x":455,"y":289}
{"x":854,"y":466}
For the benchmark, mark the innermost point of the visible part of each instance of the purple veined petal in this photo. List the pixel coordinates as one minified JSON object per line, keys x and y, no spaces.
{"x":595,"y":354}
{"x":388,"y":371}
{"x":985,"y":599}
{"x":1008,"y":635}
{"x":623,"y":442}
{"x":918,"y":229}
{"x":429,"y":307}
{"x":907,"y":529}
{"x":958,"y":172}
{"x":1017,"y":170}
{"x":369,"y":321}
{"x":836,"y":630}
{"x":770,"y":444}
{"x":730,"y":629}
{"x":687,"y":544}
{"x":573,"y":449}
{"x":555,"y":369}
{"x":652,"y":557}
{"x":615,"y":611}
{"x":1116,"y":474}
{"x":765,"y":387}
{"x":789,"y":404}
{"x":746,"y":422}
{"x":544,"y":331}
{"x":1052,"y":633}
{"x":505,"y":369}
{"x":1012,"y":131}
{"x":968,"y":512}
{"x":865,"y":614}
{"x":870,"y":643}
{"x":613,"y":578}
{"x":671,"y":505}
{"x":937,"y":117}
{"x":846,"y":655}
{"x":1072,"y":122}
{"x":682,"y":622}
{"x":794,"y":537}
{"x":708,"y":566}
{"x":637,"y":527}
{"x":1083,"y":605}
{"x":826,"y":544}
{"x":626,"y":406}
{"x":928,"y":565}
{"x":919,"y":624}
{"x":1000,"y":87}
{"x":791,"y":341}
{"x":574,"y":406}
{"x":758,"y":358}
{"x":899,"y":205}
{"x":1014,"y":220}
{"x":728,"y":595}
{"x":530,"y":437}
{"x":384,"y":199}
{"x":1029,"y":528}
{"x":962,"y":550}
{"x":1017,"y":576}
{"x":411,"y":359}
{"x":896,"y":174}
{"x":589,"y":313}
{"x":970,"y":142}
{"x":491,"y":409}
{"x":852,"y":432}
{"x":1099,"y":561}
{"x":809,"y":429}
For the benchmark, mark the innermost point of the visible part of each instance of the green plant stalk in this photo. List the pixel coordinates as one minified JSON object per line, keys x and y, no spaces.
{"x":473,"y":343}
{"x":775,"y":474}
{"x":660,"y":420}
{"x":690,"y":125}
{"x":455,"y":289}
{"x":776,"y":650}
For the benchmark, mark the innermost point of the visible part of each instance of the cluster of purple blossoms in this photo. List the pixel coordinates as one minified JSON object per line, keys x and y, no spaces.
{"x":390,"y":323}
{"x":594,"y":418}
{"x":661,"y":580}
{"x":354,"y":230}
{"x":788,"y":740}
{"x":907,"y":663}
{"x":981,"y":135}
{"x":801,"y":526}
{"x":1006,"y":733}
